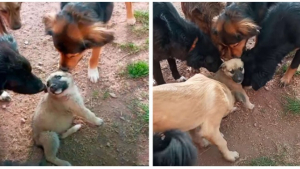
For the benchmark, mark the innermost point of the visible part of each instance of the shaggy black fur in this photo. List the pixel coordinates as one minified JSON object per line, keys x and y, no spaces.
{"x":15,"y":70}
{"x":175,"y":149}
{"x":278,"y":37}
{"x":173,"y":38}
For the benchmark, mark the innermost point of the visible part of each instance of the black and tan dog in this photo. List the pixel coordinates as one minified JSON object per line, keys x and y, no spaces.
{"x":202,"y":14}
{"x":231,"y":74}
{"x":239,"y":22}
{"x":177,"y":38}
{"x":15,"y":70}
{"x":273,"y":45}
{"x":174,"y":148}
{"x":10,"y":13}
{"x":78,"y":27}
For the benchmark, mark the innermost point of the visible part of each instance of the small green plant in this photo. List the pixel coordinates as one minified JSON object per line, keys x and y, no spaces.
{"x":142,"y":16}
{"x":292,"y":105}
{"x":131,"y":47}
{"x":95,"y":94}
{"x":105,"y":94}
{"x":145,"y":108}
{"x":284,"y":68}
{"x":263,"y":161}
{"x":138,"y":69}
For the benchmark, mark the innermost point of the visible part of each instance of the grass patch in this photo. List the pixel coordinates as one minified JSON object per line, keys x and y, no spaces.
{"x":130,"y":47}
{"x":142,"y":17}
{"x":145,"y":108}
{"x":262,"y":161}
{"x":95,"y":94}
{"x":105,"y":95}
{"x":292,"y":105}
{"x":284,"y":68}
{"x":138,"y":69}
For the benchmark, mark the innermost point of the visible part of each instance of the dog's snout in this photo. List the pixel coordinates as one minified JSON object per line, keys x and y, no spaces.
{"x":64,"y":69}
{"x":16,"y":26}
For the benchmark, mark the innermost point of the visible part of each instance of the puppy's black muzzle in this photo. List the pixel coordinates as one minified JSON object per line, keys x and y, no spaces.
{"x":238,"y":76}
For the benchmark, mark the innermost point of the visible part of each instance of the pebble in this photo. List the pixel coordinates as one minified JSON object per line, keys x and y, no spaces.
{"x":40,"y":64}
{"x":108,"y":144}
{"x":267,"y":88}
{"x":3,"y":106}
{"x":26,"y":42}
{"x":112,"y":95}
{"x":255,"y":124}
{"x":23,"y":120}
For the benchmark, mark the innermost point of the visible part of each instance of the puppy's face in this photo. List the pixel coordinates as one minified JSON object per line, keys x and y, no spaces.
{"x":234,"y":68}
{"x":11,"y":12}
{"x":59,"y":82}
{"x":233,"y":30}
{"x":72,"y":36}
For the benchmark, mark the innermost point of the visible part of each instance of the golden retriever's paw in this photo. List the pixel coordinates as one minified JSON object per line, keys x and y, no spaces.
{"x":181,"y":79}
{"x":98,"y":121}
{"x":284,"y":81}
{"x":131,"y":21}
{"x":5,"y":97}
{"x":232,"y":156}
{"x":93,"y":75}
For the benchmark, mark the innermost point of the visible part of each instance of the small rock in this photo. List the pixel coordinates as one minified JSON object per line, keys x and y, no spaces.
{"x":26,"y":42}
{"x":267,"y":88}
{"x":40,"y":64}
{"x":122,"y":118}
{"x":23,"y":120}
{"x":108,"y":144}
{"x":255,"y":124}
{"x":112,"y":95}
{"x":39,"y":68}
{"x":3,"y":106}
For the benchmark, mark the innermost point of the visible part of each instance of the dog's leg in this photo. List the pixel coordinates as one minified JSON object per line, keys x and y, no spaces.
{"x":243,"y":97}
{"x":93,"y":73}
{"x":174,"y":70}
{"x":88,"y":115}
{"x":50,"y":142}
{"x":130,"y":17}
{"x":158,"y":76}
{"x":210,"y":131}
{"x":71,"y":130}
{"x":198,"y":139}
{"x":286,"y":79}
{"x":5,"y":96}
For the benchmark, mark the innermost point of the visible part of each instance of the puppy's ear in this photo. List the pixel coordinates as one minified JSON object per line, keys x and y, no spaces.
{"x":48,"y":21}
{"x":248,"y":28}
{"x":223,"y":66}
{"x":98,"y":37}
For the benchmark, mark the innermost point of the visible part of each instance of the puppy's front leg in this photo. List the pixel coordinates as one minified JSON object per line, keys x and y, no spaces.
{"x":84,"y":112}
{"x":243,"y":97}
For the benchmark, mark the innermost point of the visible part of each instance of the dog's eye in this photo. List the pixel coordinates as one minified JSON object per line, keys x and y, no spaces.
{"x":57,"y":77}
{"x":241,"y":69}
{"x":232,"y":71}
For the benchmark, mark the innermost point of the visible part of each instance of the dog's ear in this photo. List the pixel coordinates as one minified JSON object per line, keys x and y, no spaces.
{"x":98,"y":36}
{"x":223,"y":66}
{"x":48,"y":21}
{"x":248,"y":28}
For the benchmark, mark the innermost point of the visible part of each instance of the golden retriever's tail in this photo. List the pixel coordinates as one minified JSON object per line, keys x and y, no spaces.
{"x":174,"y":148}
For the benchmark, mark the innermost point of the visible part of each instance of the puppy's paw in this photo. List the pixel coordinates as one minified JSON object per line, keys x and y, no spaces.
{"x":5,"y":97}
{"x":284,"y":81}
{"x":181,"y":79}
{"x":131,"y":21}
{"x":250,"y":106}
{"x":77,"y":127}
{"x":232,"y":156}
{"x":98,"y":121}
{"x":93,"y":75}
{"x":205,"y":143}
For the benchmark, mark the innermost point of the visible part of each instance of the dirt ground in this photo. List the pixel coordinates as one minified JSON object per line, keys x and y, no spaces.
{"x":267,"y":131}
{"x":123,"y":139}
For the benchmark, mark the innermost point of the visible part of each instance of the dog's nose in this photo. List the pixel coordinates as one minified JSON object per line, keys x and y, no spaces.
{"x":16,"y":26}
{"x":64,"y":69}
{"x":53,"y":88}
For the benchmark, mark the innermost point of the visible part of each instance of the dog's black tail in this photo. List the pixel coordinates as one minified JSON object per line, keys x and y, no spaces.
{"x":174,"y":148}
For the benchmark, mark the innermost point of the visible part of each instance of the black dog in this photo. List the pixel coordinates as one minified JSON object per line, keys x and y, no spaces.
{"x":174,"y":37}
{"x":278,"y":37}
{"x":15,"y":70}
{"x":174,"y":148}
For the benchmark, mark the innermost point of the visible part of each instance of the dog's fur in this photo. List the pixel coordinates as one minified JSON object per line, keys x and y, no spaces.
{"x":15,"y":70}
{"x":202,"y":14}
{"x":78,"y":27}
{"x":174,"y":148}
{"x":231,"y":74}
{"x":198,"y":102}
{"x":54,"y":115}
{"x":174,"y":37}
{"x":10,"y":12}
{"x":239,"y":22}
{"x":273,"y":45}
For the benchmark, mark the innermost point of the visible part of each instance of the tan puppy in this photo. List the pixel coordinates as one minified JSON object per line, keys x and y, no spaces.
{"x":54,"y":115}
{"x":231,"y":74}
{"x":200,"y":102}
{"x":10,"y":12}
